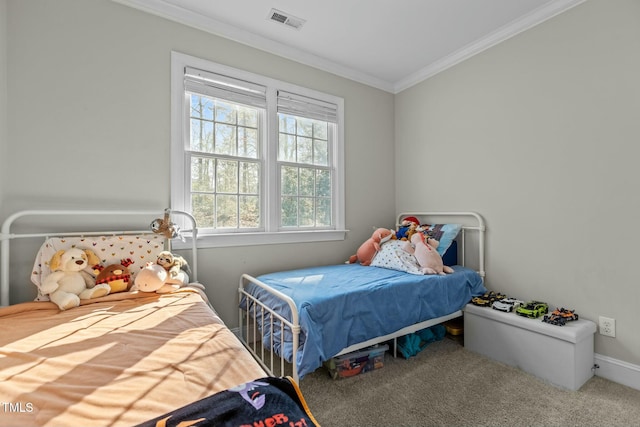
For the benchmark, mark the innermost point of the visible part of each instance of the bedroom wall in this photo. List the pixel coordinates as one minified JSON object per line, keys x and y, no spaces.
{"x":540,"y":135}
{"x":89,"y":126}
{"x":3,"y":93}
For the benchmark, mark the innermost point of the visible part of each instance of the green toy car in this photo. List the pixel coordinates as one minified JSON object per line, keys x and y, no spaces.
{"x":533,"y":309}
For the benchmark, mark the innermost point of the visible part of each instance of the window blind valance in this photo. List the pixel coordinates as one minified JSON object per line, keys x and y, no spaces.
{"x":304,"y":106}
{"x":225,"y":87}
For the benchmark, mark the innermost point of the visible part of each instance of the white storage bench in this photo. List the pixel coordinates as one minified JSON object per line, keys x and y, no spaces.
{"x":561,"y":355}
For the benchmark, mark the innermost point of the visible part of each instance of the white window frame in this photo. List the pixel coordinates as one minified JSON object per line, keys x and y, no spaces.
{"x":269,"y":184}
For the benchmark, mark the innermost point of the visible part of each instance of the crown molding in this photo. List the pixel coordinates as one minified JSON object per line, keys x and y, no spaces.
{"x":218,"y":28}
{"x":514,"y":28}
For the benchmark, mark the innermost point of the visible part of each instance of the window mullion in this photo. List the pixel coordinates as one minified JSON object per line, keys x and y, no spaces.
{"x":336,"y":153}
{"x":186,"y":117}
{"x":271,"y":181}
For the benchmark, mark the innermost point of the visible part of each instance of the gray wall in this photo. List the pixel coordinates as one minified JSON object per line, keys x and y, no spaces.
{"x":3,"y":93}
{"x":89,"y":127}
{"x":540,"y":135}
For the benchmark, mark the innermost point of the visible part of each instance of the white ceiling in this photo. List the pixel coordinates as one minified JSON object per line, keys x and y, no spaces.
{"x":388,"y":44}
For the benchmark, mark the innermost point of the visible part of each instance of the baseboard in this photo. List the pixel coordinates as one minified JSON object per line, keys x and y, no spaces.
{"x":618,"y":371}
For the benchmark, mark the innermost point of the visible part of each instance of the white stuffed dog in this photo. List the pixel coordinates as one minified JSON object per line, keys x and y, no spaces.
{"x":68,"y":283}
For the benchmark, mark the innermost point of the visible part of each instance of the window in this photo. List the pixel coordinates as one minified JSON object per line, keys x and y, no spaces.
{"x":255,"y":160}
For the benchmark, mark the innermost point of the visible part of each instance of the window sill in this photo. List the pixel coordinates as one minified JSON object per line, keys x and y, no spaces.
{"x":251,"y":239}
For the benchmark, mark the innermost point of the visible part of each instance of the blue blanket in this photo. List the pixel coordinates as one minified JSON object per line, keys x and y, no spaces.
{"x":346,"y":304}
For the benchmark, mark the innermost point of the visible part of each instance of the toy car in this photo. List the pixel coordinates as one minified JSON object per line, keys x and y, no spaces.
{"x":533,"y":309}
{"x":554,"y":320}
{"x":480,"y":301}
{"x":506,"y":304}
{"x":487,"y":299}
{"x":566,"y":314}
{"x":560,"y":317}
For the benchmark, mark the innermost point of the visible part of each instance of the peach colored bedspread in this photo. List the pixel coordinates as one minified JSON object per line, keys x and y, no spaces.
{"x":116,"y":361}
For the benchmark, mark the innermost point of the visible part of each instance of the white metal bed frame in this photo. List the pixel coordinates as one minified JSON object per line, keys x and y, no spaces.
{"x":6,"y":236}
{"x":273,"y":364}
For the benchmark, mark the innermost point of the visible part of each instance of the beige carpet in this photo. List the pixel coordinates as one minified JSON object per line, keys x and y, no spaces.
{"x":446,"y":385}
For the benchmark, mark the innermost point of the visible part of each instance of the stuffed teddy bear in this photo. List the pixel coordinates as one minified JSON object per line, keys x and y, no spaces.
{"x":424,"y":249}
{"x":117,"y":276}
{"x":68,"y":283}
{"x":371,"y":246}
{"x":175,"y":265}
{"x":154,"y":278}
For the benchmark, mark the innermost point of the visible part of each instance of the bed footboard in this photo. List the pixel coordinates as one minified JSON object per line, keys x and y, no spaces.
{"x":255,"y":314}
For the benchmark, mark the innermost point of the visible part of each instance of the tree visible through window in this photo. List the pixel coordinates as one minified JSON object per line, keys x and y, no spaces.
{"x":225,"y":172}
{"x":304,"y":170}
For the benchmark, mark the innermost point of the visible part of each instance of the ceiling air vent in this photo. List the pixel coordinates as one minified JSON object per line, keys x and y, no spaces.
{"x":286,"y":19}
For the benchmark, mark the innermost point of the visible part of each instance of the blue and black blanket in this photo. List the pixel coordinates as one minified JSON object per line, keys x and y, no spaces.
{"x":269,"y":401}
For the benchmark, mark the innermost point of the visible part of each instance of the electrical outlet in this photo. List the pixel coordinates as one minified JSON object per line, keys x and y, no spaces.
{"x":607,"y":326}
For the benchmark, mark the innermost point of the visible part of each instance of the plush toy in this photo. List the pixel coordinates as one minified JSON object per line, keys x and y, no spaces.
{"x":68,"y":283}
{"x":176,"y":266}
{"x":154,"y":278}
{"x":371,"y":246}
{"x":117,"y":276}
{"x":424,"y":249}
{"x":407,"y":227}
{"x":165,"y":227}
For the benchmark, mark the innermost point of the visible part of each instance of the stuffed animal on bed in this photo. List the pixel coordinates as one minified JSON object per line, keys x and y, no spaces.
{"x":165,"y":226}
{"x":154,"y":278}
{"x":176,"y":266}
{"x":365,"y":253}
{"x":424,"y":249}
{"x":68,"y":283}
{"x":117,"y":276}
{"x":407,"y":227}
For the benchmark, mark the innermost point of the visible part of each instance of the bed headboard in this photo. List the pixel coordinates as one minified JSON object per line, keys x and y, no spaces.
{"x":106,"y":217}
{"x":470,"y":221}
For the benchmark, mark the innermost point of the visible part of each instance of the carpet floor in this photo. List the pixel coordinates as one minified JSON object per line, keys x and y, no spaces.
{"x":447,"y":385}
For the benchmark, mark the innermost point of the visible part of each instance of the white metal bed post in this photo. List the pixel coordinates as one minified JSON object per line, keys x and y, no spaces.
{"x":293,"y":324}
{"x":194,"y":243}
{"x":4,"y":260}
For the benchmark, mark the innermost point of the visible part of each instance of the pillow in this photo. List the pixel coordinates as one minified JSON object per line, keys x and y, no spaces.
{"x":110,"y":249}
{"x":444,"y":233}
{"x":392,"y":256}
{"x":450,"y":258}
